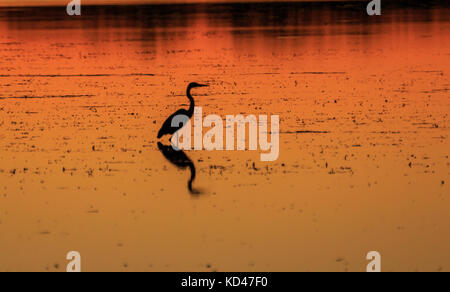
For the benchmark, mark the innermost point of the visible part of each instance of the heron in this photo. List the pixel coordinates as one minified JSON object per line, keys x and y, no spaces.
{"x":167,"y":128}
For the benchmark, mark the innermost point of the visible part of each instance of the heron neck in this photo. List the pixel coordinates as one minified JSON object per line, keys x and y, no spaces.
{"x":192,"y":105}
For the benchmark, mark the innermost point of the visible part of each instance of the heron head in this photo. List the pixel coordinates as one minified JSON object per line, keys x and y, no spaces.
{"x":195,"y":84}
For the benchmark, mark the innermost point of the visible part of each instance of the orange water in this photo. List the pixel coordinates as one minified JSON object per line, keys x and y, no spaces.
{"x":80,"y":169}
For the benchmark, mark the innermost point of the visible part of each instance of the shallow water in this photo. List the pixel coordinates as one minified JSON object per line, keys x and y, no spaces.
{"x":363,"y":103}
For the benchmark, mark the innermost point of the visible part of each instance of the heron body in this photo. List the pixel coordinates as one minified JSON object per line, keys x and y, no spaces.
{"x":168,"y":128}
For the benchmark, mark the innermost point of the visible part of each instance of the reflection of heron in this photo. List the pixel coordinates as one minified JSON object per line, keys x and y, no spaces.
{"x":180,"y":160}
{"x":167,"y":128}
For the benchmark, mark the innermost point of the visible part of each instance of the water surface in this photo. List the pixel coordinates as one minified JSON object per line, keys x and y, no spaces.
{"x":363,"y":102}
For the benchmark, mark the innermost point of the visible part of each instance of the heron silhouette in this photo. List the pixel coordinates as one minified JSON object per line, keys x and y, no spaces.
{"x":167,"y":128}
{"x":180,"y":160}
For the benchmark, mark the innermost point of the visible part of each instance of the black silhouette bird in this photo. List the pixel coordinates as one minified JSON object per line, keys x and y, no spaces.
{"x":180,"y":160}
{"x":167,"y":128}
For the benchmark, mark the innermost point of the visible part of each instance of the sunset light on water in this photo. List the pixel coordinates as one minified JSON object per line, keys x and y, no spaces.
{"x":363,"y":164}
